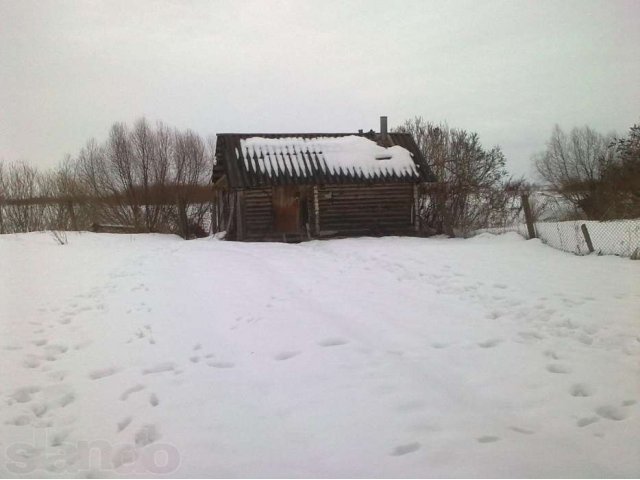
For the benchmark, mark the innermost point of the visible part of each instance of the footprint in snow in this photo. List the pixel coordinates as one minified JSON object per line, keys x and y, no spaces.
{"x":332,"y":342}
{"x":161,"y":367}
{"x":611,"y":412}
{"x":583,"y":422}
{"x":23,"y":395}
{"x":551,"y":354}
{"x":493,"y":342}
{"x":581,"y":390}
{"x":585,"y":339}
{"x":221,"y":364}
{"x":286,"y":355}
{"x":397,"y":353}
{"x":524,"y":431}
{"x":39,"y":409}
{"x":81,"y":345}
{"x":58,"y":438}
{"x":124,"y":455}
{"x":124,"y":423}
{"x":65,"y":400}
{"x":558,"y":368}
{"x":17,"y":347}
{"x":31,"y":361}
{"x":153,"y":400}
{"x":488,"y":439}
{"x":57,"y":376}
{"x":146,"y":435}
{"x":102,"y":373}
{"x":129,"y":391}
{"x":531,"y":336}
{"x":19,"y":421}
{"x":405,"y":449}
{"x":55,"y":349}
{"x":27,"y":451}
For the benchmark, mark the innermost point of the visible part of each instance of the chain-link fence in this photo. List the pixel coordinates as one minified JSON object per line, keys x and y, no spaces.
{"x":557,"y":223}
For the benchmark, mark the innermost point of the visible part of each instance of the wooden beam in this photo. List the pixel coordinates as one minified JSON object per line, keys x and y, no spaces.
{"x":316,"y":210}
{"x":416,"y":208}
{"x":528,"y":216}
{"x":240,"y":227}
{"x":587,"y":237}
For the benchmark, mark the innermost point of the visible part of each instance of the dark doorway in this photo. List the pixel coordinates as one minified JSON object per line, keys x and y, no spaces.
{"x":286,"y":209}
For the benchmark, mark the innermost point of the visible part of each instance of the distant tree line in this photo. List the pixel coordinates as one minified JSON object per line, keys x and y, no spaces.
{"x":156,"y":179}
{"x":152,"y":178}
{"x":598,"y":174}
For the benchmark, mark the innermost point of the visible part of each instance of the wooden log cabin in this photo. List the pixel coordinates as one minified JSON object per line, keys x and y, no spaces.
{"x":293,"y":187}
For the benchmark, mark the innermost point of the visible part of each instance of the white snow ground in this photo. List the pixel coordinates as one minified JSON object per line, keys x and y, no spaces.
{"x":492,"y":356}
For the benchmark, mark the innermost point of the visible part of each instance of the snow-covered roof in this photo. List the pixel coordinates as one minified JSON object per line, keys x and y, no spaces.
{"x":255,"y":160}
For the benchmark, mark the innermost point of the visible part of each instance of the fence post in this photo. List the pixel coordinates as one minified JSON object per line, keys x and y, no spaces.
{"x":528,"y":215}
{"x":587,"y":237}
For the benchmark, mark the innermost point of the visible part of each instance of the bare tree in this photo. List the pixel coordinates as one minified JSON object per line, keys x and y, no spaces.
{"x":151,"y":178}
{"x":151,"y":155}
{"x":191,"y":168}
{"x":3,"y":196}
{"x":622,"y":176}
{"x":473,"y":189}
{"x":23,"y":185}
{"x":161,"y":167}
{"x":123,"y":181}
{"x":574,"y":165}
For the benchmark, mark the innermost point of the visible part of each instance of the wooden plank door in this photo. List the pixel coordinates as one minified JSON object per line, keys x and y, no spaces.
{"x":286,"y":209}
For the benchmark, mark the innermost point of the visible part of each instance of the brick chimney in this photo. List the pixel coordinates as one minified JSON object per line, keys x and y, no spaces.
{"x":383,"y":138}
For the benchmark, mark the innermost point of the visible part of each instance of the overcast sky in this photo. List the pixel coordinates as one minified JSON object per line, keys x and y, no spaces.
{"x":509,"y":70}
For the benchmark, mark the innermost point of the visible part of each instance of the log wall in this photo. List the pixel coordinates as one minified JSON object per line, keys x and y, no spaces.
{"x":258,"y":214}
{"x":383,"y":209}
{"x":344,"y":210}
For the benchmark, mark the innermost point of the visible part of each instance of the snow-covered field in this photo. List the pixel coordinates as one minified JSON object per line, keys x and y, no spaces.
{"x":147,"y":355}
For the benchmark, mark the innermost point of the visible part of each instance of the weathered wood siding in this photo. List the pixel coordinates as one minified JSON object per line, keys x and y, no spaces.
{"x":344,"y":210}
{"x":286,"y":209}
{"x":258,"y":213}
{"x":366,"y":209}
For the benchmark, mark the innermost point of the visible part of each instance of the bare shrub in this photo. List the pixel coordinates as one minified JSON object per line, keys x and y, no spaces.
{"x":22,"y":186}
{"x":574,"y":164}
{"x":153,"y":179}
{"x":622,"y":177}
{"x":60,"y":236}
{"x":474,"y":191}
